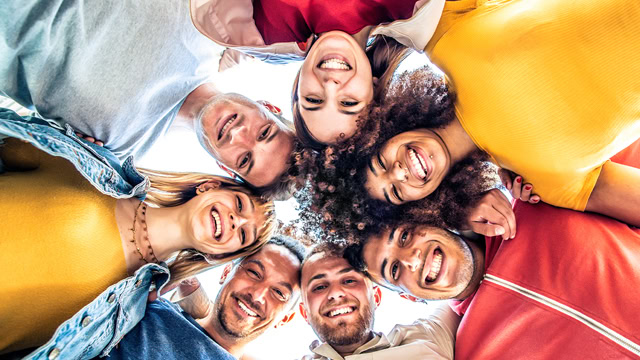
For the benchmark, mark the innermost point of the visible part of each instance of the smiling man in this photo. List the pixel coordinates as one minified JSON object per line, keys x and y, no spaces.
{"x":339,"y":303}
{"x":566,"y":286}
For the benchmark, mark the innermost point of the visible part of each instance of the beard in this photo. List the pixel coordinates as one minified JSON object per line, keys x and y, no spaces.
{"x":345,"y":333}
{"x":231,"y":324}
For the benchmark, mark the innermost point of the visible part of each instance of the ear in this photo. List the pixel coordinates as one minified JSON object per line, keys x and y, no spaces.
{"x":227,"y":170}
{"x":411,"y":297}
{"x":272,"y":108}
{"x":225,"y":272}
{"x":377,"y":295}
{"x":285,"y":319}
{"x":303,"y":312}
{"x":209,"y":185}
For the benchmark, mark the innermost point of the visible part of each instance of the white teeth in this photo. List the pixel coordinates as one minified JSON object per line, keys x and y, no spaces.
{"x":435,"y":266}
{"x":218,"y":223}
{"x":340,"y":311}
{"x":246,"y":309}
{"x":224,"y":128}
{"x":418,"y":164}
{"x":335,"y":64}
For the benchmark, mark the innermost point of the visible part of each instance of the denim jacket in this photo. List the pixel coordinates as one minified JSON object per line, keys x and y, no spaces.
{"x":95,"y":163}
{"x":98,"y":327}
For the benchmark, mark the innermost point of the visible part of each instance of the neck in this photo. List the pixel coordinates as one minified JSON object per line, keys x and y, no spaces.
{"x":166,"y":231}
{"x":345,"y":350}
{"x":458,"y":142}
{"x":362,"y":36}
{"x":194,"y":102}
{"x":234,"y":345}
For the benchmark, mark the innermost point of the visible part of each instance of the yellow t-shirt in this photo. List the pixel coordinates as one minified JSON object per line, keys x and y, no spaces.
{"x":59,"y":246}
{"x":550,"y":89}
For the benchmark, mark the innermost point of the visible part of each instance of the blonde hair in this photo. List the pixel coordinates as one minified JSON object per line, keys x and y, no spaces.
{"x":169,"y":189}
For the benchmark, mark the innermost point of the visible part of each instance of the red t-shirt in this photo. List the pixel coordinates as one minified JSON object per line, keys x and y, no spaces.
{"x":296,"y":20}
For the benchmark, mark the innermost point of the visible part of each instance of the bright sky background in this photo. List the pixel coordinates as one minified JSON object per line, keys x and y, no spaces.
{"x":179,"y":150}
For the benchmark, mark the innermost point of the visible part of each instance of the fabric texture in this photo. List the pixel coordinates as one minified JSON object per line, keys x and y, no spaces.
{"x":60,"y":245}
{"x":116,"y":70}
{"x":550,"y":89}
{"x":429,"y":338}
{"x":586,"y":263}
{"x":167,"y":333}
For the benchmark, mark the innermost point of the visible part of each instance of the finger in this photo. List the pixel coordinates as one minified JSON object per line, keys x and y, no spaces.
{"x":99,"y":143}
{"x":505,"y":178}
{"x":526,"y":192}
{"x":90,"y":139}
{"x":534,"y":199}
{"x":506,"y":211}
{"x":491,"y":218}
{"x":517,"y":187}
{"x":487,"y":229}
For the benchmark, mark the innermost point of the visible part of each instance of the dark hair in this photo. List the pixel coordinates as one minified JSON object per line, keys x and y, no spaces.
{"x":295,"y":247}
{"x":384,"y":54}
{"x":336,"y":201}
{"x":286,"y":184}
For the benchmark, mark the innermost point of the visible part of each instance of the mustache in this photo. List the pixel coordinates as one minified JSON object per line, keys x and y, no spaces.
{"x":253,"y":305}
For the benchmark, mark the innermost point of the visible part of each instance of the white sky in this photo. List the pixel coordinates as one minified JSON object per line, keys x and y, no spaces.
{"x":179,"y":150}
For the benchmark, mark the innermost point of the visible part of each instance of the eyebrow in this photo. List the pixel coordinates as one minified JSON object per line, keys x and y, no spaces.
{"x":372,"y":167}
{"x":287,"y":285}
{"x":311,"y":109}
{"x":255,"y":233}
{"x":384,"y":262}
{"x":251,"y":163}
{"x":320,"y":276}
{"x":351,"y":112}
{"x":274,"y":133}
{"x":386,"y":196}
{"x":257,"y":262}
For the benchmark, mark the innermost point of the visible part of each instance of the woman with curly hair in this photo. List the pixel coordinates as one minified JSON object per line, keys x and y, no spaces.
{"x":64,"y":241}
{"x":414,"y":153}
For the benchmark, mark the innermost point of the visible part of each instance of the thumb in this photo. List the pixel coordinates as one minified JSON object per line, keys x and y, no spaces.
{"x":487,"y":229}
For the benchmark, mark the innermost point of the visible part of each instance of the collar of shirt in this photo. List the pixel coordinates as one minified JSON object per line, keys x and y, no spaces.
{"x":378,"y":342}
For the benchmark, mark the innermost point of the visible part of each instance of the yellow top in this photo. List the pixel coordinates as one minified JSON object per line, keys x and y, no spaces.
{"x":59,"y":245}
{"x":549,"y":88}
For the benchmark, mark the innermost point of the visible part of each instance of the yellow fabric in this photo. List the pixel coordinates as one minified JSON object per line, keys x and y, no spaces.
{"x":549,"y":88}
{"x":59,"y":246}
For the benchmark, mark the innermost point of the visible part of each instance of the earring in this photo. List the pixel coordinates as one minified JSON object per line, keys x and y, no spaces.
{"x":199,"y":190}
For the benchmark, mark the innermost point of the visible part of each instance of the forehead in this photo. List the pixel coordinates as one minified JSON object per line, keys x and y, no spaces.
{"x":322,"y":266}
{"x":377,"y":248}
{"x":278,"y":262}
{"x":271,"y":160}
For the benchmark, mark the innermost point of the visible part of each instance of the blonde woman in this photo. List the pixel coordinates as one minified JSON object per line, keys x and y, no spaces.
{"x":64,"y":241}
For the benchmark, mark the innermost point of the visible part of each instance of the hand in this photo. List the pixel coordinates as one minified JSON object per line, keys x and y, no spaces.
{"x":90,"y":139}
{"x":188,"y":286}
{"x":518,"y":189}
{"x":493,"y":216}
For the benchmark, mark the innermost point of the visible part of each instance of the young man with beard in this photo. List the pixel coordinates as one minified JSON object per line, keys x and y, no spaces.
{"x":566,"y":286}
{"x":339,"y":304}
{"x":259,"y":292}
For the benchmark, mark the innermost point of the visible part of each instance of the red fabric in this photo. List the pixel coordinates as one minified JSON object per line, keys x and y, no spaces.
{"x":587,"y":262}
{"x":296,"y":20}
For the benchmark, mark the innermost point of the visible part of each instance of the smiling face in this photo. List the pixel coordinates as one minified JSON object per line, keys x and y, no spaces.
{"x":223,"y":221}
{"x":409,"y":167}
{"x":245,"y":137}
{"x":338,"y":300}
{"x":334,"y":87}
{"x":258,"y":293}
{"x":427,"y":262}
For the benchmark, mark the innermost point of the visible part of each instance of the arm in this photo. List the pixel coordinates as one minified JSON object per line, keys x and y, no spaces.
{"x":617,"y":193}
{"x":440,"y":330}
{"x":192,"y":298}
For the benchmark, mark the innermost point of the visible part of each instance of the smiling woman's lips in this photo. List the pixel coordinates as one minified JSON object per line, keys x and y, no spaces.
{"x":334,"y":62}
{"x":216,"y":224}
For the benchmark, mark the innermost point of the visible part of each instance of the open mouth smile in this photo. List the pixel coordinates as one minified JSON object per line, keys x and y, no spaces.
{"x":246,"y":309}
{"x":226,"y":124}
{"x":216,"y":223}
{"x":436,"y":266}
{"x":343,"y":310}
{"x":418,"y":165}
{"x":334,"y":62}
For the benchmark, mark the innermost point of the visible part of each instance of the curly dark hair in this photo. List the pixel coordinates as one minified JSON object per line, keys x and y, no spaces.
{"x":336,"y":204}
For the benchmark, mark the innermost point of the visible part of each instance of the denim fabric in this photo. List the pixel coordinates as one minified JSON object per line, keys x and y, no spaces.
{"x":167,"y":333}
{"x":99,"y":326}
{"x":95,"y":163}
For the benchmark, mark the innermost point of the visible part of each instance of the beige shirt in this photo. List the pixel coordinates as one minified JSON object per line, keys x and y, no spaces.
{"x":430,"y":338}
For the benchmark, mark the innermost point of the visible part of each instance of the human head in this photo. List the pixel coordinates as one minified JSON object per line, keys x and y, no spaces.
{"x":246,"y":221}
{"x":336,"y":82}
{"x":424,"y":261}
{"x":259,"y":291}
{"x":338,"y":174}
{"x":246,"y":137}
{"x":338,"y":301}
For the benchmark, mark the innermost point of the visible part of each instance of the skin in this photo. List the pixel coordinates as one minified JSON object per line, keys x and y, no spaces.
{"x":407,"y":255}
{"x":330,"y":283}
{"x":332,"y":99}
{"x":268,"y":284}
{"x":255,"y":145}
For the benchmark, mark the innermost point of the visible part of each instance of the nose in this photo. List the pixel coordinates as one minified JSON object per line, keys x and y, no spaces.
{"x":412,"y":260}
{"x":335,"y":293}
{"x":236,"y":220}
{"x":240,"y":136}
{"x":259,"y":294}
{"x":399,"y":173}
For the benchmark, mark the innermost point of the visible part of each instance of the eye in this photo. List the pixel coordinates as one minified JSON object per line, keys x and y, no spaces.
{"x":245,"y":160}
{"x":403,"y":238}
{"x":349,"y":281}
{"x":319,"y":288}
{"x":394,"y":271}
{"x":264,"y":133}
{"x":395,"y":192}
{"x":313,"y":100}
{"x":280,"y":295}
{"x":253,"y":274}
{"x":349,"y":103}
{"x":243,"y":237}
{"x":380,"y":162}
{"x":239,"y":203}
